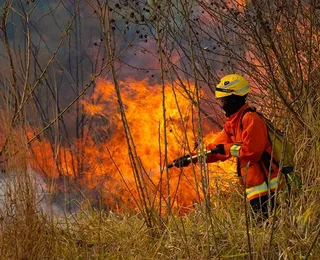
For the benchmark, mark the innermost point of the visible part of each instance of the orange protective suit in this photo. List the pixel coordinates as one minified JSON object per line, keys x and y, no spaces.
{"x":247,"y":144}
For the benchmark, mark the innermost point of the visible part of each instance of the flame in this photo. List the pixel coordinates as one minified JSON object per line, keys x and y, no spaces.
{"x":104,"y":165}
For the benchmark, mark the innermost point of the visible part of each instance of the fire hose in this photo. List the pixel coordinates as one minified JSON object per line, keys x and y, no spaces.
{"x":194,"y":157}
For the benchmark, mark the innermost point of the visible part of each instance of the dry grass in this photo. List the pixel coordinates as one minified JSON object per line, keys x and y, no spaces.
{"x":27,"y":232}
{"x":31,"y":231}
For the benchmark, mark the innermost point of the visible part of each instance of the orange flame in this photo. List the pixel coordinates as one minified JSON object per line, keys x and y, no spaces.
{"x":105,"y":165}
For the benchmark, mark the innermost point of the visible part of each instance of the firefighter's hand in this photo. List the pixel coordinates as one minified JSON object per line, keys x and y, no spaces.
{"x":182,"y":161}
{"x":219,"y":149}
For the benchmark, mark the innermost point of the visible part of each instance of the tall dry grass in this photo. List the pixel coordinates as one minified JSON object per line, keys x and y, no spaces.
{"x":31,"y":231}
{"x":220,"y":228}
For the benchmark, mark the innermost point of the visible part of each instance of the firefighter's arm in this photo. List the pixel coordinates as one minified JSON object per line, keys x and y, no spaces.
{"x":254,"y":139}
{"x":222,"y":138}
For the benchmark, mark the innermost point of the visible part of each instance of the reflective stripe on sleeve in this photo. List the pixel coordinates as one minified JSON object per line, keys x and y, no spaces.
{"x":235,"y":150}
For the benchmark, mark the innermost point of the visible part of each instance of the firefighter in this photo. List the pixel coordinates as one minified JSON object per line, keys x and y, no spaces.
{"x":244,"y":136}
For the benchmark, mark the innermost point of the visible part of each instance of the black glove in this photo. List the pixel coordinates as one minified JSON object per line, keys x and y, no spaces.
{"x":219,"y":149}
{"x":182,"y":161}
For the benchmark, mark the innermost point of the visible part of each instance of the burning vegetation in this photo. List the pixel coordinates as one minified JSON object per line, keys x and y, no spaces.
{"x":106,"y":168}
{"x":97,"y":97}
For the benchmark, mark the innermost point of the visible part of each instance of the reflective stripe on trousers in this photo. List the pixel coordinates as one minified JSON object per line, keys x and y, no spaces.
{"x":261,"y":189}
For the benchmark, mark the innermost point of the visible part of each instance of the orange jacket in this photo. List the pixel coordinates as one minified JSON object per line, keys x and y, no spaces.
{"x":247,"y":145}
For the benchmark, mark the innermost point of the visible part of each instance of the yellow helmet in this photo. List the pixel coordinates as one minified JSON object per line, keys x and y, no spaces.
{"x":232,"y":84}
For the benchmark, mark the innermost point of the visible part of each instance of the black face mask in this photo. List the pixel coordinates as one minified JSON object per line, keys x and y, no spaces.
{"x":232,"y":104}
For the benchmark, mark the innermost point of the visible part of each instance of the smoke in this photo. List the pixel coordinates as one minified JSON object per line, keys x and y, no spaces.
{"x":13,"y":192}
{"x":71,"y":56}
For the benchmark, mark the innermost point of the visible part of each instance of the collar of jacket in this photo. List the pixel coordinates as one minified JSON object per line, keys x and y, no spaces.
{"x":232,"y":121}
{"x":238,"y":114}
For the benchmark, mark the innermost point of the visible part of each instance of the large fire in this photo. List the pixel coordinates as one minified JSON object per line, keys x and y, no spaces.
{"x":103,"y":163}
